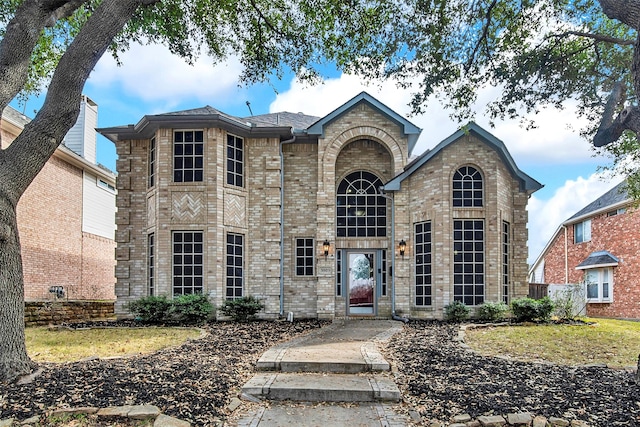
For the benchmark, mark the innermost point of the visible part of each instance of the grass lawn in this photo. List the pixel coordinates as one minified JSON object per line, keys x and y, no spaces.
{"x":614,"y":342}
{"x":64,"y":345}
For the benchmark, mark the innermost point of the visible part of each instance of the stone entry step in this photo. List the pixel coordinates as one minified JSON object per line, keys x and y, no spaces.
{"x":322,"y":388}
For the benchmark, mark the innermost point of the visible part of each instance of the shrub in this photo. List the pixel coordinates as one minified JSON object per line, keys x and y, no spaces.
{"x":151,"y":309}
{"x":492,"y":311}
{"x":191,"y":309}
{"x":456,"y":312}
{"x":528,"y":309}
{"x":242,"y":309}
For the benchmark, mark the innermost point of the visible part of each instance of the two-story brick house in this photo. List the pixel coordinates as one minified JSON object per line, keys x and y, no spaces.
{"x":599,"y":247}
{"x":319,"y":217}
{"x":66,"y":217}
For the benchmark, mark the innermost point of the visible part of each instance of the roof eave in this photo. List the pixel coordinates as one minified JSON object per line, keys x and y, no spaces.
{"x":600,"y":211}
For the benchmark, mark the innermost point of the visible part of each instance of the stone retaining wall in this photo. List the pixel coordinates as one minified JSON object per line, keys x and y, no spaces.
{"x":55,"y":312}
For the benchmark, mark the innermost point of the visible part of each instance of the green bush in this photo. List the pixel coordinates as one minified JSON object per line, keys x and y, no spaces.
{"x":528,"y":310}
{"x":242,"y":309}
{"x":492,"y":311}
{"x":192,"y":309}
{"x":151,"y":309}
{"x":456,"y":312}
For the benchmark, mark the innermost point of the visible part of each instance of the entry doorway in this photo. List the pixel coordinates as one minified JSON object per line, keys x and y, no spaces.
{"x":361,"y":284}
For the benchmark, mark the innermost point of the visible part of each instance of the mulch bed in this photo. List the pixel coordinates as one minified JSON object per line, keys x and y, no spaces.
{"x":193,"y":382}
{"x":438,"y":378}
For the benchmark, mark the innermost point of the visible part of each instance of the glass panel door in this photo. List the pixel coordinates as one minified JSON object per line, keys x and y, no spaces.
{"x":361,"y":284}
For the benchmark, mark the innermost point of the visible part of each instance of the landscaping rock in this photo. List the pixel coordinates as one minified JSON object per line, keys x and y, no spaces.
{"x":462,"y":418}
{"x":539,"y":422}
{"x":30,"y":421}
{"x":519,"y":419}
{"x":114,"y":411}
{"x":558,"y":422}
{"x":74,"y":411}
{"x":6,"y":423}
{"x":492,"y":421}
{"x":141,"y":412}
{"x":167,"y":421}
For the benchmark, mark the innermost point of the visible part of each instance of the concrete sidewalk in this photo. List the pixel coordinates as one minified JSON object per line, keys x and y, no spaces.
{"x":335,"y":376}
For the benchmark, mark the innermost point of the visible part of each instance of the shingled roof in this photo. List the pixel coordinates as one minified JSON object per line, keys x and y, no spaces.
{"x":294,"y":120}
{"x":598,"y":259}
{"x":615,"y":196}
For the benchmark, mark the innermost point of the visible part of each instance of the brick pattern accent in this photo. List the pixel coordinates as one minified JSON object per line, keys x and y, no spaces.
{"x":620,"y":235}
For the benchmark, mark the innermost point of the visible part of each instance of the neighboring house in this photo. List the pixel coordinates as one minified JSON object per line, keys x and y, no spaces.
{"x":319,"y":217}
{"x":66,"y":218}
{"x":600,"y":247}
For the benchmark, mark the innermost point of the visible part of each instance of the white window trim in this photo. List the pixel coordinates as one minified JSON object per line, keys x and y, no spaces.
{"x":586,"y":231}
{"x":600,"y":272}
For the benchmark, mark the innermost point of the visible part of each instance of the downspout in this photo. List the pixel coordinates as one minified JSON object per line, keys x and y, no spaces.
{"x":566,"y":256}
{"x":394,"y":316}
{"x":288,"y":141}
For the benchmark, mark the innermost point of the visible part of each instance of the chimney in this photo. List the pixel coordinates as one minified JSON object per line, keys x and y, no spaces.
{"x":82,"y":137}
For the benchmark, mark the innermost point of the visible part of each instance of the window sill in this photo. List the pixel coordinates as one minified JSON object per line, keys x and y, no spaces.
{"x":595,"y":301}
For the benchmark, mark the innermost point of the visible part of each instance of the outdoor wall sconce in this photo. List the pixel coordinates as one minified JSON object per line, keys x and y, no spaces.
{"x":325,"y":247}
{"x":402,"y":246}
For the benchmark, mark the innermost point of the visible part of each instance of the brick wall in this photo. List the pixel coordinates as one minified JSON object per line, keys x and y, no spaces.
{"x":56,"y":312}
{"x":620,"y":235}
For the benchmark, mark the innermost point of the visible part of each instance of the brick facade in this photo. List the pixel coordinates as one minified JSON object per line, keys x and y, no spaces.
{"x":619,"y":235}
{"x":361,"y":136}
{"x":55,"y":250}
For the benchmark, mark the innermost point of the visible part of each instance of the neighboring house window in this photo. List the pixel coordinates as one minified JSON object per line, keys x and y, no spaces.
{"x":423,"y":263}
{"x":304,"y":257}
{"x":582,"y":231}
{"x":599,"y":285}
{"x":187,"y":262}
{"x":235,"y":161}
{"x":506,"y":249}
{"x":360,"y":210}
{"x":188,"y":156}
{"x":105,"y":185}
{"x":468,"y":188}
{"x":615,"y":212}
{"x":151,"y":263}
{"x":152,"y":163}
{"x":235,"y":265}
{"x":338,"y":273}
{"x":468,"y":261}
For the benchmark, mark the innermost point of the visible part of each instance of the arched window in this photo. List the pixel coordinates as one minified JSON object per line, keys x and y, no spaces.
{"x":360,"y":209}
{"x":468,"y":188}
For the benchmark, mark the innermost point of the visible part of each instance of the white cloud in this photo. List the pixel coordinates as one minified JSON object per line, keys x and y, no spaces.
{"x":552,"y":142}
{"x":152,"y":74}
{"x":545,"y":216}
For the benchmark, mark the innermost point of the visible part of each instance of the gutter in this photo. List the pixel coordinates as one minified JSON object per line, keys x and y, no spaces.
{"x":566,"y":255}
{"x":282,"y":143}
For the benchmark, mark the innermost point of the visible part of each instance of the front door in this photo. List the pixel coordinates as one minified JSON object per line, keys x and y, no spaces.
{"x":361,"y":295}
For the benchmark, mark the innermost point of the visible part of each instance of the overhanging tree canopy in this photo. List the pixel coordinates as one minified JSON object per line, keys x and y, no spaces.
{"x":539,"y":52}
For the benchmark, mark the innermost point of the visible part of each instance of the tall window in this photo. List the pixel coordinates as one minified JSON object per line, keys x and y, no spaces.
{"x":599,"y":285}
{"x":235,"y":161}
{"x":304,"y":257}
{"x":339,"y":273}
{"x":467,"y":187}
{"x":468,"y":261}
{"x":383,"y":265}
{"x":506,"y":245}
{"x":423,"y":263}
{"x":360,"y":210}
{"x":187,"y":262}
{"x":188,"y":156}
{"x":235,"y":265}
{"x":151,"y":264}
{"x":152,"y":163}
{"x":582,"y":231}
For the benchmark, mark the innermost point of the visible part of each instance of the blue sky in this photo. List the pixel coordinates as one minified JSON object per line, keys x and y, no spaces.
{"x":152,"y":81}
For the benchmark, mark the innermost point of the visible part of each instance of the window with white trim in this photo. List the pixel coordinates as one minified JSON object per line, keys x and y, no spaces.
{"x":305,"y":249}
{"x":188,"y":156}
{"x":423,"y":263}
{"x":599,"y":283}
{"x":582,"y":231}
{"x":235,"y":266}
{"x":188,"y":264}
{"x":468,"y":261}
{"x":235,"y":161}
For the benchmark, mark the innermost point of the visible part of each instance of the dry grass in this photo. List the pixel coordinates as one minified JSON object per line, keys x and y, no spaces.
{"x":613,"y":342}
{"x":65,"y":345}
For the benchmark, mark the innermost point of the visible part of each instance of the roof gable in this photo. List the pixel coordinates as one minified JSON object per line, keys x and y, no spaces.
{"x":597,"y":260}
{"x":410,"y":130}
{"x":526,"y":182}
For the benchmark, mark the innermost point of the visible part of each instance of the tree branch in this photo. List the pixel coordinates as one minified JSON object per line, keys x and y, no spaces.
{"x":598,"y":37}
{"x":483,"y":37}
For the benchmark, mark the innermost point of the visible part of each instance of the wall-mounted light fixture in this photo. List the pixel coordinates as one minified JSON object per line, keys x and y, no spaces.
{"x":402,"y":247}
{"x":325,"y":247}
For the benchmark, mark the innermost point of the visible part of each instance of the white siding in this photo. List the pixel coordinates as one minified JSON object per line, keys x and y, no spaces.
{"x":82,"y":137}
{"x":98,"y":208}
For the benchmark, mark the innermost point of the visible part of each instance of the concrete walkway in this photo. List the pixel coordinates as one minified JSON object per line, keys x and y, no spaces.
{"x":333,"y":377}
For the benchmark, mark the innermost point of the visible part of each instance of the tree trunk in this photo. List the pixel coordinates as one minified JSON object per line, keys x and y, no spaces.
{"x":14,"y":360}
